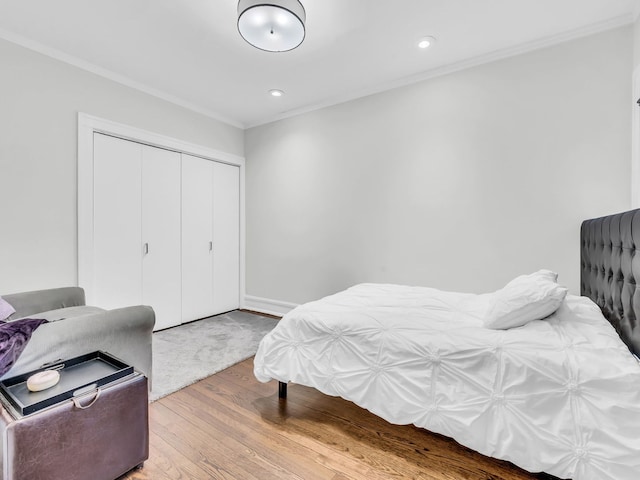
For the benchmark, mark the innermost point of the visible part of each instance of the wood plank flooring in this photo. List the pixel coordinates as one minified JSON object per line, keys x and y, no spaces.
{"x":230,"y":426}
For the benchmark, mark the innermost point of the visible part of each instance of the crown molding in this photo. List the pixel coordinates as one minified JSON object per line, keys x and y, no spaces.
{"x":398,"y":83}
{"x":458,"y":66}
{"x":115,"y":77}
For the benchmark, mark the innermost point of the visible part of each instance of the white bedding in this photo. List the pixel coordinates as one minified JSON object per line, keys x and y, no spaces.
{"x":560,"y":395}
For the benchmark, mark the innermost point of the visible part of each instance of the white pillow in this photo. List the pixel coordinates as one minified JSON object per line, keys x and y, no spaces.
{"x":523,"y":299}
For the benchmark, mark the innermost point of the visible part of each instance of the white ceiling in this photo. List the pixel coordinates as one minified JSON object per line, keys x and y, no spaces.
{"x":189,"y":51}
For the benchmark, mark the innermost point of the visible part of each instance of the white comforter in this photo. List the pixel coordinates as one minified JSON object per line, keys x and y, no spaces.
{"x":560,"y":395}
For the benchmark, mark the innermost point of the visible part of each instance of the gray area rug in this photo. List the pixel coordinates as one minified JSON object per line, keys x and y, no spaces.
{"x":185,"y":354}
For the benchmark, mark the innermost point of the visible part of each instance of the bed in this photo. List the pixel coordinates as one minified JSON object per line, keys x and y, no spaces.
{"x":558,"y":394}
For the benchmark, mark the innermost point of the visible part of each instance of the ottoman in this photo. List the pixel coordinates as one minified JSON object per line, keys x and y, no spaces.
{"x":99,"y":435}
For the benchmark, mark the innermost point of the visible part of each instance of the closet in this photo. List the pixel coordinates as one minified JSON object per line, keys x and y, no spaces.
{"x":165,"y":231}
{"x":210,"y":250}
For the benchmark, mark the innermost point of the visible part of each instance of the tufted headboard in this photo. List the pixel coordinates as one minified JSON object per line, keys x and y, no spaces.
{"x":610,"y":268}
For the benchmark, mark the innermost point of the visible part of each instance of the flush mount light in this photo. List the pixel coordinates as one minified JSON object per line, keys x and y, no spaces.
{"x":272,"y":25}
{"x":426,"y":42}
{"x":276,"y":93}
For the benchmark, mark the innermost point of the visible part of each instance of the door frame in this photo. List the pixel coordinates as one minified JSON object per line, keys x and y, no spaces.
{"x":87,"y":126}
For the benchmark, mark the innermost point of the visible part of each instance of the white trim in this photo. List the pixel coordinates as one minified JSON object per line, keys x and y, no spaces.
{"x":243,"y":243}
{"x":456,"y":67}
{"x":115,"y":77}
{"x":267,"y":305}
{"x":85,"y":205}
{"x":87,"y":126}
{"x":92,"y":124}
{"x":635,"y":140}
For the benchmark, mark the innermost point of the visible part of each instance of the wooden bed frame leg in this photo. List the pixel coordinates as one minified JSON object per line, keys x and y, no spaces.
{"x":282,"y":390}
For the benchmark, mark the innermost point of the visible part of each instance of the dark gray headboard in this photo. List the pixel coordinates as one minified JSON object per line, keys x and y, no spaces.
{"x":610,"y":268}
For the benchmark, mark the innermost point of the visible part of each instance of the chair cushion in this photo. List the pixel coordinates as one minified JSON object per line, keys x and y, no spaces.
{"x":6,"y":310}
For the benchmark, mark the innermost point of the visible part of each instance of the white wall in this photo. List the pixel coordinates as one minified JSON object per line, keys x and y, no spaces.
{"x":635,"y":115}
{"x":460,"y":182}
{"x":636,"y":43}
{"x":39,"y":101}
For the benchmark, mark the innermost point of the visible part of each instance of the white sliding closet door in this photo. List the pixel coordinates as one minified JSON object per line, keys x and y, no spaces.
{"x":136,"y":223}
{"x":226,"y":237}
{"x":166,"y":231}
{"x":117,"y":222}
{"x":197,"y":238}
{"x":161,"y":235}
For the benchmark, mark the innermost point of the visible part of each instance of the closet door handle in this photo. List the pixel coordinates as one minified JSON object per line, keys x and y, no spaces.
{"x":145,"y":249}
{"x":211,"y":246}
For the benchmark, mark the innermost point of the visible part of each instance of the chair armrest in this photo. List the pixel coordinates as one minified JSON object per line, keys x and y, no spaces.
{"x":28,"y":303}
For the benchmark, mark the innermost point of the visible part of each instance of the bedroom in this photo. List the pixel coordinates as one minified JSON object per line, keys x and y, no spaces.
{"x":520,"y":150}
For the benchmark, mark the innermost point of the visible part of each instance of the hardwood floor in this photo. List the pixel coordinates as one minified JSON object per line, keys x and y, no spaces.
{"x":230,"y":426}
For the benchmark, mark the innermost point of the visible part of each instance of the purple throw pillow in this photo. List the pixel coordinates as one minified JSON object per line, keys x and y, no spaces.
{"x":6,"y":310}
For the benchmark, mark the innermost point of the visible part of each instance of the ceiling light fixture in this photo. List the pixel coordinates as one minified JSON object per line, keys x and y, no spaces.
{"x":272,"y":25}
{"x":276,"y":93}
{"x":426,"y":42}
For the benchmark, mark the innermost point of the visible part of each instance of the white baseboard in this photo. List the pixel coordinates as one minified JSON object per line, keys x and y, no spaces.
{"x":267,"y":305}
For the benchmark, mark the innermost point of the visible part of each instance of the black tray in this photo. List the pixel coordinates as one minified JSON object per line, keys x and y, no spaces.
{"x":78,"y":375}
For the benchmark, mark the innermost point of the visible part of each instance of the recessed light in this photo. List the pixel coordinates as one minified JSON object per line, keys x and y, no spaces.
{"x":426,"y":42}
{"x":276,"y":93}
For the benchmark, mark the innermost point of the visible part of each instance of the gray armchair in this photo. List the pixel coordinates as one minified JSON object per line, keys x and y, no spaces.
{"x":75,"y":329}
